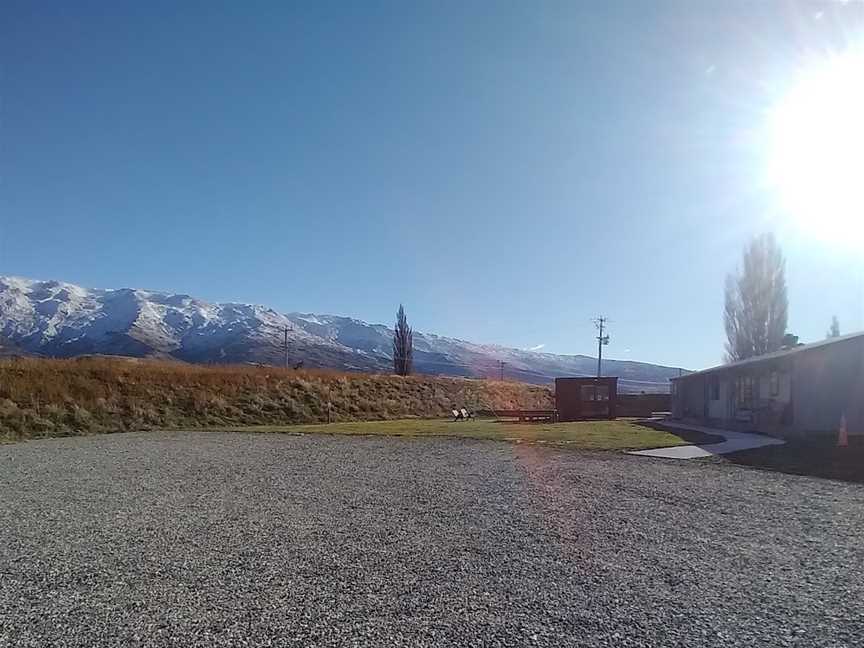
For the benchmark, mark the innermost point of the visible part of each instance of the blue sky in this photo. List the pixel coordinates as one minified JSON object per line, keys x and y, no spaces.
{"x":508,"y":170}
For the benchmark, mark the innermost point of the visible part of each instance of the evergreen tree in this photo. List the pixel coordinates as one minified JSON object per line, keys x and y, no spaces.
{"x":834,"y":331}
{"x":403,"y":345}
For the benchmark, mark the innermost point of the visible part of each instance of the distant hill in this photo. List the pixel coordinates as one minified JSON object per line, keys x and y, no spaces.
{"x":57,"y":319}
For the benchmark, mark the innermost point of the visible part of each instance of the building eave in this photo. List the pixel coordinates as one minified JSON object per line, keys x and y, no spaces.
{"x":771,"y":357}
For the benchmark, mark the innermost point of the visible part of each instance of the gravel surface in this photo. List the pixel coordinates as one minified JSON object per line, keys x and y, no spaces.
{"x":211,"y":539}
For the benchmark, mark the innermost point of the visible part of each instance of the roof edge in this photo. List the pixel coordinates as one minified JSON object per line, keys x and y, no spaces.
{"x":773,"y":355}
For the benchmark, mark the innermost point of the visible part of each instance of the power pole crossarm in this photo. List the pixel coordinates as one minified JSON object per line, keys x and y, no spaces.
{"x":602,"y":340}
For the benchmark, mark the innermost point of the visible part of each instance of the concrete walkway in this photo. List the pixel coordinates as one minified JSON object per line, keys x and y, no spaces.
{"x":734,"y":442}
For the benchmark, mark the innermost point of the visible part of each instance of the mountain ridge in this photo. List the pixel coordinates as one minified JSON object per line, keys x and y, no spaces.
{"x":60,"y":319}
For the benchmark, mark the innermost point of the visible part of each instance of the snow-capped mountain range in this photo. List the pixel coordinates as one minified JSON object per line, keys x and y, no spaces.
{"x":53,"y":318}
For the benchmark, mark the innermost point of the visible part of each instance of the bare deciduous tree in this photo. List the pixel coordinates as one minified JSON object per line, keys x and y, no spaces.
{"x":756,"y":305}
{"x":403,"y":345}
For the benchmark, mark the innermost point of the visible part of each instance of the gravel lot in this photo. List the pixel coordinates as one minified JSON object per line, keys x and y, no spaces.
{"x":210,"y":539}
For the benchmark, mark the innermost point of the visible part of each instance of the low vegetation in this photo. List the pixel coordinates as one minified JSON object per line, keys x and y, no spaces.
{"x":589,"y":435}
{"x":93,"y":395}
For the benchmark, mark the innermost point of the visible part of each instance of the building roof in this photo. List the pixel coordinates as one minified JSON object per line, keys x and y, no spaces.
{"x":774,"y":355}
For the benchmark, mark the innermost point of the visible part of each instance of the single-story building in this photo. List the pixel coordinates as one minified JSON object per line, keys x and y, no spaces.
{"x":800,"y":391}
{"x":584,"y":398}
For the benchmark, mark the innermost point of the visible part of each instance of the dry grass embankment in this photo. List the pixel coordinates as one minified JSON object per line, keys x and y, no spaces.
{"x":94,"y":395}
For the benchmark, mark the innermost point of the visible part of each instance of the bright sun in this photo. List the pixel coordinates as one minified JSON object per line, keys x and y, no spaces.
{"x":817,"y":150}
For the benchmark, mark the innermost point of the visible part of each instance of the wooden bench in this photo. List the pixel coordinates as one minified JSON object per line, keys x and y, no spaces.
{"x":529,"y":415}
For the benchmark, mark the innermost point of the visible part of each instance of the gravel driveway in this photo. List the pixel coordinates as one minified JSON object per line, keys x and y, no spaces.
{"x":211,"y":539}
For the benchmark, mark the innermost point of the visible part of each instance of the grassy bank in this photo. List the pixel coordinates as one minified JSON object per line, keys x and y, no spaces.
{"x":589,"y":435}
{"x":93,"y":395}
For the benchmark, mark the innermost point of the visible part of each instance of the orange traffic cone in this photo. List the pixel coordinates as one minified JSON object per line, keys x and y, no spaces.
{"x":842,"y":435}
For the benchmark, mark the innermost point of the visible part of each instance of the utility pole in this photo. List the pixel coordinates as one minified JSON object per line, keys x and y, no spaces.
{"x":285,"y":348}
{"x":501,"y":364}
{"x":602,"y":340}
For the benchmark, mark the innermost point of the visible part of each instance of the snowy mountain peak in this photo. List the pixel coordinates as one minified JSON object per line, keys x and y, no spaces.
{"x":55,"y":318}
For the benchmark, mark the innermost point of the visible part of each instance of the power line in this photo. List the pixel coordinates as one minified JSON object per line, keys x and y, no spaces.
{"x":487,"y":370}
{"x":496,"y":365}
{"x":490,"y":365}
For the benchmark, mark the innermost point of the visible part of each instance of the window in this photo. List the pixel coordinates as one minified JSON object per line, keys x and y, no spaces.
{"x":674,"y":388}
{"x":774,"y":382}
{"x":714,"y":389}
{"x":595,"y":392}
{"x":744,"y":391}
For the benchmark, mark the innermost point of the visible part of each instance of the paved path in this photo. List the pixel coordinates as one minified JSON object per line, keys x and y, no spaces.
{"x":734,"y":442}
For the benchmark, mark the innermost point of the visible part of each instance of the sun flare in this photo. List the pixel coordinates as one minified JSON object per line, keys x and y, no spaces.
{"x":817,"y":150}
